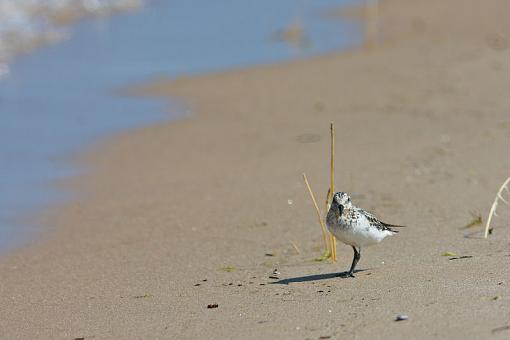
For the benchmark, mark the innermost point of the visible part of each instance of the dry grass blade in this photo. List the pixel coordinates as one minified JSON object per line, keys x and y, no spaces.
{"x":333,"y":246}
{"x":499,"y":197}
{"x":326,"y":255}
{"x":295,"y":247}
{"x":319,"y":216}
{"x":475,"y":221}
{"x":332,"y":239}
{"x":331,"y":191}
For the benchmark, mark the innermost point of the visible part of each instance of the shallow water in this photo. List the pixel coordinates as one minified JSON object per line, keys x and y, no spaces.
{"x":60,"y":98}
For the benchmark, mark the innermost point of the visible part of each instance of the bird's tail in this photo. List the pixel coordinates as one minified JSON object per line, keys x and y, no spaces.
{"x":391,"y":226}
{"x":396,"y":226}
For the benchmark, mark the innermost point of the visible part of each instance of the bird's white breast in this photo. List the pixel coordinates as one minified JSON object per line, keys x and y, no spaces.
{"x":357,"y":232}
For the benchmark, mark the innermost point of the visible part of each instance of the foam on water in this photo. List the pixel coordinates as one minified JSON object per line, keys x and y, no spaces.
{"x":26,"y":24}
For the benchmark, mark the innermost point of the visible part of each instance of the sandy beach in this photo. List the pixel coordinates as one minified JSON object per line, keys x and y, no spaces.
{"x":174,"y":217}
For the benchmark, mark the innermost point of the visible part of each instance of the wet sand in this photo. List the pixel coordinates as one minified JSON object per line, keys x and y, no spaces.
{"x":201,"y":211}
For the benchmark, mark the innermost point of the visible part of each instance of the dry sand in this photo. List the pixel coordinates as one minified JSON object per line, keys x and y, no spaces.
{"x":177,"y":216}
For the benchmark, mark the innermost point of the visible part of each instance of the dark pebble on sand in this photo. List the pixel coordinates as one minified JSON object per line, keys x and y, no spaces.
{"x":401,"y":317}
{"x":197,"y":284}
{"x":214,"y":305}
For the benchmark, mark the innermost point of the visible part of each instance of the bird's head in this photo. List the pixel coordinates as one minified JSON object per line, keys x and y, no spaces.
{"x":342,"y":200}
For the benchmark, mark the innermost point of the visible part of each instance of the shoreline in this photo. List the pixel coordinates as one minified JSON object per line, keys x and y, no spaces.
{"x":180,"y":215}
{"x":90,"y":68}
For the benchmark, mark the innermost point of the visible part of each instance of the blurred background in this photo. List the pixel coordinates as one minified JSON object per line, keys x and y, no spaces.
{"x":62,"y":62}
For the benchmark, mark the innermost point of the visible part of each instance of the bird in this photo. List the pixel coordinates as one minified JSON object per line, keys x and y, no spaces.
{"x":355,"y":227}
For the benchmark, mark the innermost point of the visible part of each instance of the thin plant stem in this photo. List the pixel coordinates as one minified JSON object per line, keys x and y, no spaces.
{"x":492,"y":212}
{"x":332,"y":186}
{"x":319,"y":215}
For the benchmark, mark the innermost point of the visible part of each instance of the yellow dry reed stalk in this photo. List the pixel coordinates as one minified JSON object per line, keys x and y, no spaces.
{"x":332,"y":239}
{"x":326,"y":203}
{"x":319,"y":216}
{"x":331,"y":191}
{"x":499,"y":197}
{"x":333,"y":245}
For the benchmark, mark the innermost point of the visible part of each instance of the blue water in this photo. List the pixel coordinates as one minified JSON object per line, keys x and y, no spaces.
{"x":60,"y":98}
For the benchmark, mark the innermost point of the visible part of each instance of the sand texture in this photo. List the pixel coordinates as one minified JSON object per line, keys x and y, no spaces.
{"x":200,"y":211}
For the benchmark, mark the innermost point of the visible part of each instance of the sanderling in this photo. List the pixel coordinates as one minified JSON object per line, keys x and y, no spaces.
{"x":354,"y":226}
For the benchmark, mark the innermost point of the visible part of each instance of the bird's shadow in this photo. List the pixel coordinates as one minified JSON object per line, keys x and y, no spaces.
{"x":316,"y":277}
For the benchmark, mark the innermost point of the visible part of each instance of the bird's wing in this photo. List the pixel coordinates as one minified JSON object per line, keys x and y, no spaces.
{"x":374,"y":221}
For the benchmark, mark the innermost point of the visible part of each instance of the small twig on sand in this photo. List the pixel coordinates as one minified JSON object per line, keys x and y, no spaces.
{"x":319,"y":216}
{"x":499,"y":197}
{"x":295,"y":247}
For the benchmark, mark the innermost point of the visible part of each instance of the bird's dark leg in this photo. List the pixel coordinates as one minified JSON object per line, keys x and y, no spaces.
{"x":355,"y":259}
